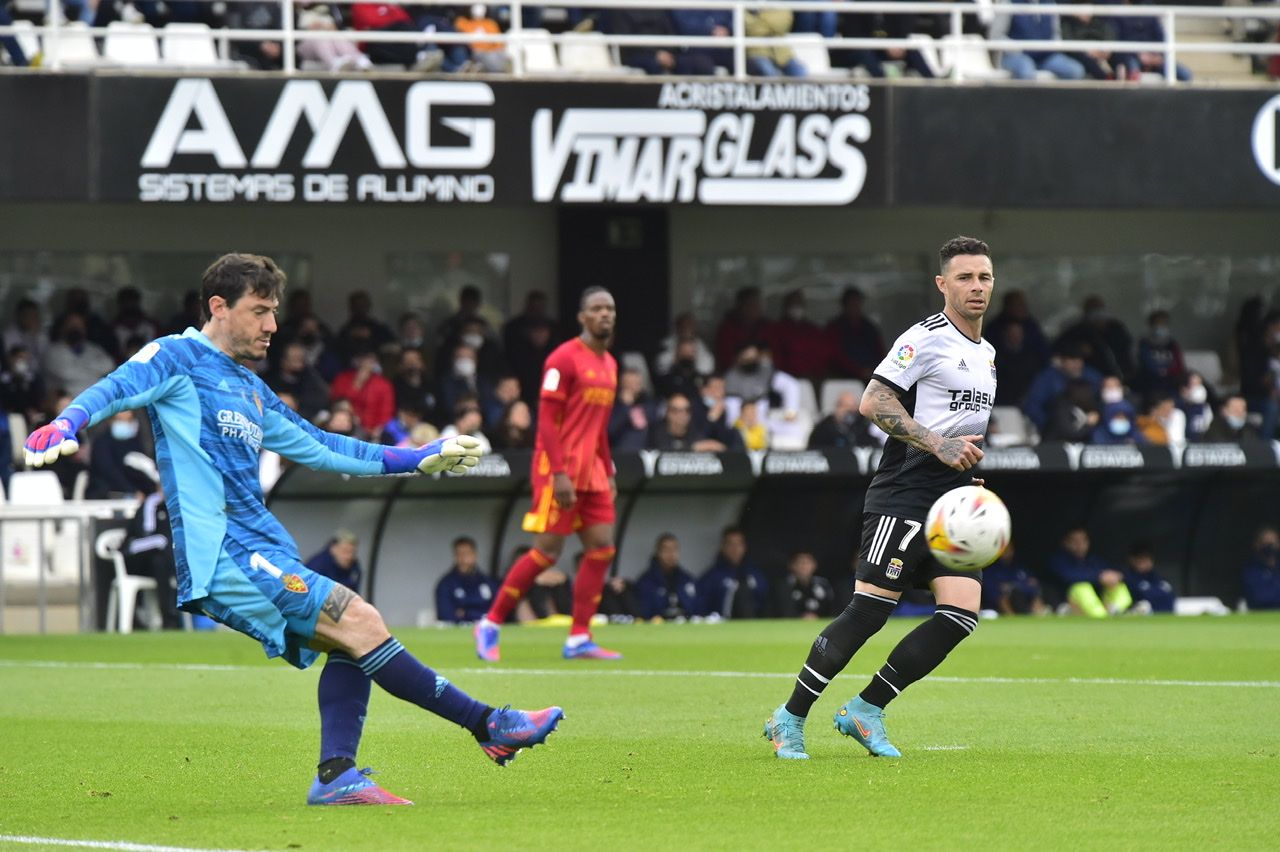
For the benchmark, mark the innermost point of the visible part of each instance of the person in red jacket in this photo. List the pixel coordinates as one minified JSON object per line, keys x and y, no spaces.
{"x":572,"y":479}
{"x":419,"y":56}
{"x":371,"y":395}
{"x":800,"y":347}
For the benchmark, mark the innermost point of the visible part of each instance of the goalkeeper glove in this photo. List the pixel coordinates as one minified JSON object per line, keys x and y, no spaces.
{"x":457,"y":454}
{"x":57,"y":439}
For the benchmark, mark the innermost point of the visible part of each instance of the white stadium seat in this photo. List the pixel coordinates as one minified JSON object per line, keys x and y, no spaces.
{"x":189,"y":46}
{"x":967,"y":56}
{"x":587,"y":53}
{"x":539,"y":53}
{"x":27,"y":38}
{"x":811,"y":50}
{"x":126,"y":588}
{"x":72,"y":48}
{"x":131,"y":44}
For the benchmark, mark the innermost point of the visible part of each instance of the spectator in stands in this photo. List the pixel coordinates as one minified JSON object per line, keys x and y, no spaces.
{"x":330,"y":54}
{"x":371,"y":395}
{"x":73,"y":362}
{"x":666,"y":590}
{"x":773,"y":60}
{"x":417,"y":54}
{"x":753,"y":376}
{"x":399,"y":430}
{"x":488,"y":56}
{"x":299,"y":309}
{"x":685,"y":335}
{"x":1163,"y":424}
{"x":17,"y":57}
{"x":1023,"y":65}
{"x":633,"y":415}
{"x":1251,"y":351}
{"x":516,"y":344}
{"x":1118,"y":420}
{"x":1231,"y":425}
{"x":1021,"y":349}
{"x":844,"y":428}
{"x":320,"y":354}
{"x":551,"y":594}
{"x":799,"y":346}
{"x":1151,"y":592}
{"x":411,"y":384}
{"x":1147,"y":29}
{"x":1075,"y":414}
{"x":711,"y":414}
{"x":27,"y":330}
{"x":467,"y":421}
{"x":339,"y":560}
{"x":655,"y":59}
{"x":803,"y":593}
{"x":490,"y":364}
{"x":1066,"y":366}
{"x":751,"y":424}
{"x":702,"y":23}
{"x":460,"y":380}
{"x":1193,"y":400}
{"x":677,"y":432}
{"x":514,"y":429}
{"x":294,"y":375}
{"x":733,"y":587}
{"x":119,"y":465}
{"x":148,"y":552}
{"x":96,"y":329}
{"x":1015,"y":309}
{"x":265,"y":55}
{"x":463,"y":595}
{"x":362,"y":329}
{"x":131,"y":320}
{"x":682,"y":375}
{"x":856,"y":344}
{"x":1091,"y":586}
{"x":1085,"y":27}
{"x":341,"y":420}
{"x":412,"y":332}
{"x":618,"y":600}
{"x":527,"y":361}
{"x":1260,"y":579}
{"x":470,"y":310}
{"x":1009,"y":588}
{"x":187,"y":316}
{"x":506,"y":390}
{"x":1105,"y":342}
{"x":70,"y":467}
{"x":22,"y":388}
{"x":876,"y":25}
{"x":744,"y":323}
{"x":1160,"y":363}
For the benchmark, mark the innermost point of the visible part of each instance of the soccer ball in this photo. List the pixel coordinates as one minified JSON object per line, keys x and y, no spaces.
{"x":967,"y":528}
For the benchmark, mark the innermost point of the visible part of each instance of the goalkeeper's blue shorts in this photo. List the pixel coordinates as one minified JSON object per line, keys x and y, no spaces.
{"x":272,"y":597}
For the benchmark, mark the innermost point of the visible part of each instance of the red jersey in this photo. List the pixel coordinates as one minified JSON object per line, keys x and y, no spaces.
{"x":578,"y":387}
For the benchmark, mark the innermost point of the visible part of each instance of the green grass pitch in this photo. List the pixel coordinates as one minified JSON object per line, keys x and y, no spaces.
{"x":1037,"y":733}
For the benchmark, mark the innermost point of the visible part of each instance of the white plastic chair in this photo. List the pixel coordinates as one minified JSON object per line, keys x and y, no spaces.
{"x":126,"y":588}
{"x":27,"y":38}
{"x":131,"y":44}
{"x":540,"y":53}
{"x":808,"y":399}
{"x":29,"y":546}
{"x":1012,"y":428}
{"x":811,"y":50}
{"x":72,"y":48}
{"x":636,"y":361}
{"x":189,"y":46}
{"x":968,"y":56}
{"x":927,"y":47}
{"x":832,"y":388}
{"x":587,"y":53}
{"x":789,"y":434}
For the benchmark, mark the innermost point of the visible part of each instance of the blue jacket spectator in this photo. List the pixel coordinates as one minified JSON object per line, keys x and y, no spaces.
{"x":464,"y":594}
{"x":1091,"y":586}
{"x":1148,"y":29}
{"x":1118,"y":425}
{"x":1074,"y":564}
{"x":1052,"y":383}
{"x":1145,"y":583}
{"x":1261,"y":579}
{"x":733,"y":587}
{"x":653,"y":59}
{"x":1023,"y":65}
{"x":706,"y":22}
{"x":338,"y":560}
{"x":633,"y":414}
{"x":666,"y":590}
{"x":1009,"y":588}
{"x":119,"y":465}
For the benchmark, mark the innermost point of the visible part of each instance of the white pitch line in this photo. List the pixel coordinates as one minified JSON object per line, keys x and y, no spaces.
{"x":944,"y":748}
{"x":614,"y":672}
{"x":102,"y":844}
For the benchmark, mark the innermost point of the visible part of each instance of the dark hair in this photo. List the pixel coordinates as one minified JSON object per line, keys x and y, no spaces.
{"x":664,"y":538}
{"x":732,"y":529}
{"x":1141,"y":548}
{"x":465,"y":539}
{"x":234,"y":274}
{"x":961,"y":245}
{"x":588,"y":293}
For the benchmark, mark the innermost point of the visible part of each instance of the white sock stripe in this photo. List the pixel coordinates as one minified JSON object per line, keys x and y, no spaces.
{"x":889,"y":665}
{"x":968,"y":625}
{"x":895,"y":689}
{"x":818,"y":676}
{"x":808,"y":687}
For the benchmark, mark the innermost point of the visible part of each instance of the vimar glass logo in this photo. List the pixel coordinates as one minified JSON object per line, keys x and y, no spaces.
{"x":711,"y":143}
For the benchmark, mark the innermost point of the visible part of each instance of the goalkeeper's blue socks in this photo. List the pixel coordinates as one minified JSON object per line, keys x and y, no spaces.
{"x":399,"y":673}
{"x":343,"y":695}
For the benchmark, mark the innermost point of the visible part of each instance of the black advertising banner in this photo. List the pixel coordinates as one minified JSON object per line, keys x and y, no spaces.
{"x":1046,"y":146}
{"x":266,"y":140}
{"x":44,"y":138}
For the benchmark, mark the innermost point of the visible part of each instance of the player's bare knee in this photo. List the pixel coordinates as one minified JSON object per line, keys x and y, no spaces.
{"x":549,"y":546}
{"x":351,"y":623}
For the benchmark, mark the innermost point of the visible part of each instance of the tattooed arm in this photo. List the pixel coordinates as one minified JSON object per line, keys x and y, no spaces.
{"x":880,"y":405}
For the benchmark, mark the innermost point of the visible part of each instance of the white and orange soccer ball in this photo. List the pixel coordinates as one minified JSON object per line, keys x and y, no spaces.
{"x":968,"y":528}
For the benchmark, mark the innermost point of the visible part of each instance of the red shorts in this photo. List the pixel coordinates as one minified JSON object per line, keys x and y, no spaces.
{"x":545,"y":516}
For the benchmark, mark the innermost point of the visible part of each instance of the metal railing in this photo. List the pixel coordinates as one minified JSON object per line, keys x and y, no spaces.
{"x":517,"y":36}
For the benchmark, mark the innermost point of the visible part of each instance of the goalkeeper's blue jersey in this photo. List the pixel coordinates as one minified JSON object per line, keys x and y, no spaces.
{"x":211,"y":418}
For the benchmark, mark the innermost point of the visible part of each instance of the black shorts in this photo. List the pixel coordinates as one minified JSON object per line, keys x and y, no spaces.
{"x":893,"y":555}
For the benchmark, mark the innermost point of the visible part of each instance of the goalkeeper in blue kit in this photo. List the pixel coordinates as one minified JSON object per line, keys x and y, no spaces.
{"x":235,"y":561}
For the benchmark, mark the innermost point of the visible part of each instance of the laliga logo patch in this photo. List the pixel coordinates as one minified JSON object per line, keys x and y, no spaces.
{"x":905,"y":355}
{"x":894,"y":571}
{"x":294,"y":583}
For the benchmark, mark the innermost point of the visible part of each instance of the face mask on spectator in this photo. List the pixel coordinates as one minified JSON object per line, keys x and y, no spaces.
{"x":124,"y":430}
{"x":1119,"y":426}
{"x":1196,"y":394}
{"x":749,"y":367}
{"x":1112,"y":395}
{"x":22,"y":369}
{"x":465,"y":367}
{"x":795,"y":313}
{"x":411,"y":342}
{"x":1160,"y":332}
{"x":709,"y":401}
{"x":475,"y":341}
{"x":1268,"y":551}
{"x":1234,"y":421}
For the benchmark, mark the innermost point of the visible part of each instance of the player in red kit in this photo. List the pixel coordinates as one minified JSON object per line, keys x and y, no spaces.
{"x":572,"y":477}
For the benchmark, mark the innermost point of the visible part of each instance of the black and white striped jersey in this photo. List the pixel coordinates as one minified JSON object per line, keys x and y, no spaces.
{"x":947,"y":382}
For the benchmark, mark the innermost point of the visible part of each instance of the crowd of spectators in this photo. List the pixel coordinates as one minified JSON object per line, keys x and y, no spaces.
{"x":424,"y":54}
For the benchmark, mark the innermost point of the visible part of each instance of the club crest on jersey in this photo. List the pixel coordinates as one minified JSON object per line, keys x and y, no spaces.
{"x":992,"y":364}
{"x":894,"y":569}
{"x":294,"y":583}
{"x":905,"y":355}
